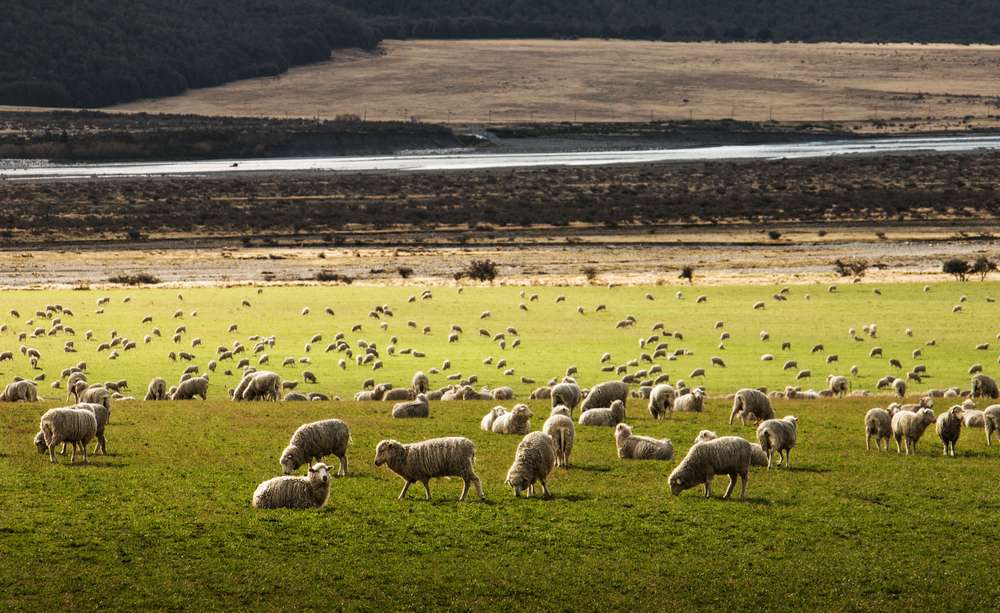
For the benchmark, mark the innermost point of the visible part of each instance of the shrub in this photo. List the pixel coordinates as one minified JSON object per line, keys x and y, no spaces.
{"x":139,"y":278}
{"x":857,"y":268}
{"x":481,"y":270}
{"x":405,"y":271}
{"x":589,"y":272}
{"x":328,"y":276}
{"x":773,"y":234}
{"x":983,"y":266}
{"x":956,"y":267}
{"x":687,"y":273}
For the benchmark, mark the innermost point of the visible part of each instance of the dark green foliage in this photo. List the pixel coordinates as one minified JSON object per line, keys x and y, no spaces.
{"x":957,"y":267}
{"x":983,"y":266}
{"x":481,"y":270}
{"x":139,"y":278}
{"x":687,"y":273}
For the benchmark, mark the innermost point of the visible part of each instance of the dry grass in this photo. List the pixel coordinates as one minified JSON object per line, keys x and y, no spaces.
{"x":598,"y":80}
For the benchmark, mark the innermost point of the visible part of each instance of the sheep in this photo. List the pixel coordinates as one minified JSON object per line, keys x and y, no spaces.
{"x":757,"y":455}
{"x":971,"y":418}
{"x":418,"y":407}
{"x":727,"y":455}
{"x":985,"y":386}
{"x":603,"y":394}
{"x":398,"y":394}
{"x":949,"y":428}
{"x":777,"y":436}
{"x":516,"y":421}
{"x":540,"y":393}
{"x":486,"y":423}
{"x":752,"y":403}
{"x":96,"y":394}
{"x":503,"y":393}
{"x":187,"y":390}
{"x":315,"y":440}
{"x":661,"y":401}
{"x":533,"y":461}
{"x":421,"y":384}
{"x":67,"y":424}
{"x":839,"y":385}
{"x":899,"y":386}
{"x":790,"y":364}
{"x":611,"y":416}
{"x":560,"y":427}
{"x":566,"y":394}
{"x":308,"y":376}
{"x":259,"y":385}
{"x":437,"y":457}
{"x":991,"y":422}
{"x":286,"y":492}
{"x":692,"y":402}
{"x":908,"y":427}
{"x":295,"y":397}
{"x":878,"y":423}
{"x":635,"y":447}
{"x":20,"y":391}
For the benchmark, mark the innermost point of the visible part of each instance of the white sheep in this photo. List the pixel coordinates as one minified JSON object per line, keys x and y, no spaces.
{"x":565,"y":394}
{"x":418,"y":407}
{"x":486,"y":423}
{"x":611,"y":416}
{"x":633,"y":446}
{"x":907,"y":428}
{"x":438,"y":457}
{"x":420,"y":383}
{"x":287,"y":492}
{"x":516,"y":421}
{"x":949,"y":428}
{"x":693,"y":401}
{"x":778,"y":436}
{"x":314,"y":441}
{"x":984,"y":386}
{"x":534,"y":459}
{"x":603,"y":394}
{"x":991,"y":422}
{"x":156,"y":390}
{"x":751,"y":403}
{"x":661,"y":401}
{"x":878,"y":423}
{"x":727,"y":455}
{"x":757,"y":455}
{"x":561,"y":428}
{"x":839,"y":385}
{"x":67,"y":424}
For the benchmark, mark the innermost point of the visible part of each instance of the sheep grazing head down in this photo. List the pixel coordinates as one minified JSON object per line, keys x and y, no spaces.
{"x":519,"y":483}
{"x":40,"y":443}
{"x":290,"y":459}
{"x":679,"y":483}
{"x":386,"y":451}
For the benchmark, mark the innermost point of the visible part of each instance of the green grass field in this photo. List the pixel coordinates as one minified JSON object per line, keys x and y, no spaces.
{"x":165,"y":521}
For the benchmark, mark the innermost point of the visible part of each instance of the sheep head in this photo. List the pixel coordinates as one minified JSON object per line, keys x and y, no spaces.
{"x":387,"y":451}
{"x":319,"y":472}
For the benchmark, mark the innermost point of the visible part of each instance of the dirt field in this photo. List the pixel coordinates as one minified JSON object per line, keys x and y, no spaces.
{"x":597,"y":80}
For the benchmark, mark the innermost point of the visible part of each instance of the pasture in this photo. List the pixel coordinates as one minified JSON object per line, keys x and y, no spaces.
{"x":164,"y":521}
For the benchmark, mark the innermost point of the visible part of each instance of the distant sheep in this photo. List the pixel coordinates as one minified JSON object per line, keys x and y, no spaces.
{"x":603,"y":394}
{"x":692,"y":402}
{"x":984,"y":386}
{"x":193,"y":387}
{"x":839,"y":385}
{"x":632,"y":446}
{"x":661,"y":401}
{"x":949,"y":428}
{"x":611,"y":416}
{"x":778,"y":436}
{"x":907,"y":428}
{"x":561,"y":428}
{"x":566,"y":394}
{"x":534,"y":459}
{"x":486,"y":423}
{"x":878,"y":423}
{"x":516,"y":421}
{"x":728,"y":455}
{"x":310,"y":491}
{"x":439,"y":457}
{"x":315,"y":440}
{"x":413,"y":408}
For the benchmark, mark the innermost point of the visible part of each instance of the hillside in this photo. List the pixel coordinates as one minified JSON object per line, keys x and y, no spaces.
{"x":90,"y":53}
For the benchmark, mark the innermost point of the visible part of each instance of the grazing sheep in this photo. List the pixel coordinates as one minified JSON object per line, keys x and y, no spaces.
{"x":314,"y":441}
{"x":418,"y":407}
{"x":839,"y":385}
{"x":438,"y":457}
{"x":727,"y":455}
{"x":96,"y":394}
{"x":984,"y":386}
{"x":751,"y":403}
{"x":611,"y":416}
{"x":516,"y":421}
{"x":603,"y":394}
{"x":286,"y":492}
{"x":757,"y":455}
{"x":777,"y":436}
{"x":561,"y":428}
{"x":70,"y":425}
{"x":908,"y":427}
{"x":661,"y":401}
{"x":790,"y":364}
{"x":803,"y":374}
{"x":188,"y":390}
{"x":635,"y":447}
{"x":949,"y":428}
{"x":566,"y":394}
{"x":259,"y":385}
{"x":486,"y":423}
{"x":421,"y":384}
{"x":691,"y":402}
{"x":878,"y":423}
{"x":533,"y":461}
{"x":899,"y":386}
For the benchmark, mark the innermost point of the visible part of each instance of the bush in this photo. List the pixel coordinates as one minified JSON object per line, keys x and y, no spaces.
{"x":773,"y":234}
{"x":328,"y":276}
{"x":956,"y":267}
{"x":139,"y":278}
{"x":857,"y":268}
{"x":983,"y":266}
{"x":687,"y":273}
{"x":405,"y":271}
{"x":481,"y":270}
{"x":589,"y":272}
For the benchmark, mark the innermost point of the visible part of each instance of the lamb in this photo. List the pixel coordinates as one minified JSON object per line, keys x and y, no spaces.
{"x":437,"y":457}
{"x":533,"y":461}
{"x":751,"y":403}
{"x":908,"y":427}
{"x":661,"y":401}
{"x":728,"y":455}
{"x":420,"y":383}
{"x":517,"y":421}
{"x":949,"y":428}
{"x":560,"y":427}
{"x":991,"y":422}
{"x":693,"y":401}
{"x":67,"y":424}
{"x":566,"y":394}
{"x":315,"y":440}
{"x":413,"y":408}
{"x":610,"y":417}
{"x":486,"y":423}
{"x":187,"y":390}
{"x":878,"y":423}
{"x":839,"y":385}
{"x":287,"y":492}
{"x":985,"y":386}
{"x":157,"y":389}
{"x":635,"y":447}
{"x":777,"y":436}
{"x":603,"y":394}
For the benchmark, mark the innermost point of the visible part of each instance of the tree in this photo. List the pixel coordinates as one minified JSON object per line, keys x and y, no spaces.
{"x":481,"y":270}
{"x":983,"y":266}
{"x":958,"y":268}
{"x":687,"y":273}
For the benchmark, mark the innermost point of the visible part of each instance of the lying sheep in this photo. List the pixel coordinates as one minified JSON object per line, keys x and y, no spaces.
{"x":540,"y":393}
{"x":661,"y":401}
{"x":20,"y":391}
{"x":693,"y":401}
{"x":603,"y":394}
{"x":949,"y":428}
{"x":878,"y":423}
{"x":156,"y":390}
{"x":314,"y":441}
{"x":753,"y":404}
{"x":566,"y":394}
{"x":635,"y":447}
{"x":517,"y":421}
{"x":727,"y":455}
{"x":611,"y":416}
{"x":533,"y":461}
{"x":67,"y":424}
{"x":984,"y":386}
{"x":908,"y":427}
{"x":503,"y":393}
{"x":286,"y":492}
{"x":438,"y":457}
{"x":398,"y":394}
{"x":560,"y":427}
{"x":419,"y":407}
{"x":991,"y":422}
{"x":486,"y":423}
{"x":188,"y":390}
{"x":777,"y":436}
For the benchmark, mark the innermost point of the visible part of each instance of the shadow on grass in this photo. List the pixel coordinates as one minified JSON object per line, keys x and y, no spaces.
{"x":590,"y":468}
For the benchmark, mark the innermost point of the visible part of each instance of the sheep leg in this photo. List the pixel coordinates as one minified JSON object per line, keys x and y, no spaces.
{"x":479,"y":487}
{"x":427,"y":489}
{"x":52,"y":451}
{"x":406,"y":487}
{"x":732,"y":486}
{"x":868,"y":442}
{"x":743,"y":485}
{"x":342,"y":472}
{"x":898,"y":449}
{"x":708,"y":487}
{"x":465,"y":490}
{"x":83,"y":447}
{"x":103,"y":444}
{"x":63,"y":450}
{"x":788,"y":458}
{"x":545,"y":489}
{"x":72,"y":458}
